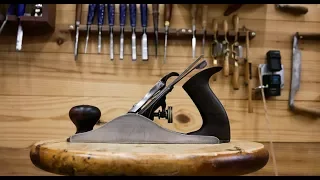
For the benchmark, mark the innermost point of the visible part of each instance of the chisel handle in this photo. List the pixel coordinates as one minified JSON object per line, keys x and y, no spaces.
{"x":167,"y":14}
{"x":91,"y":12}
{"x":21,"y":8}
{"x":204,"y":16}
{"x":111,"y":12}
{"x":133,"y":14}
{"x":225,"y":28}
{"x":78,"y":13}
{"x":235,"y":20}
{"x":215,"y":28}
{"x":155,"y":13}
{"x":123,"y":13}
{"x":193,"y":13}
{"x":226,"y":65}
{"x":101,"y":13}
{"x":144,"y":14}
{"x":235,"y":79}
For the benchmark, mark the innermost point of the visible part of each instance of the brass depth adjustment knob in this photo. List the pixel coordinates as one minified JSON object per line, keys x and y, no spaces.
{"x":84,"y":117}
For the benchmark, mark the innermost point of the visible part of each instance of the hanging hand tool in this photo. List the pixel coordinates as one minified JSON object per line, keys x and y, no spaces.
{"x":111,"y":12}
{"x":92,"y":8}
{"x":248,"y":72}
{"x":167,"y":19}
{"x":226,"y":49}
{"x":155,"y":14}
{"x":293,"y":9}
{"x":216,"y":47}
{"x":123,"y":12}
{"x":236,"y":51}
{"x":204,"y":25}
{"x":78,"y":19}
{"x":194,"y":40}
{"x":133,"y":18}
{"x":144,"y":24}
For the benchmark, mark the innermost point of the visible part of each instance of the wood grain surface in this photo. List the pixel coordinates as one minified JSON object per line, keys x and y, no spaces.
{"x":41,"y":83}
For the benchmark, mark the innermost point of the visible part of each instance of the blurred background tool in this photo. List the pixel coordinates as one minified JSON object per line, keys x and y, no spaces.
{"x":204,"y":25}
{"x":77,"y":24}
{"x":232,"y":8}
{"x":133,"y":20}
{"x":226,"y":49}
{"x":236,"y":53}
{"x":292,"y":9}
{"x":216,"y":47}
{"x":144,"y":24}
{"x":155,"y":14}
{"x":194,"y":40}
{"x":92,"y":9}
{"x":111,"y":13}
{"x":167,"y":19}
{"x":123,"y":13}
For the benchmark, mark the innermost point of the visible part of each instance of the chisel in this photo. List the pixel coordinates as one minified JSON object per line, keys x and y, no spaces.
{"x":216,"y":47}
{"x":123,"y":12}
{"x":204,"y":25}
{"x":144,"y":24}
{"x":155,"y":13}
{"x":236,"y":53}
{"x":193,"y":15}
{"x":167,"y":18}
{"x":101,"y":12}
{"x":133,"y":18}
{"x":90,"y":17}
{"x":111,"y":12}
{"x":78,"y":18}
{"x":226,"y":49}
{"x":20,"y":12}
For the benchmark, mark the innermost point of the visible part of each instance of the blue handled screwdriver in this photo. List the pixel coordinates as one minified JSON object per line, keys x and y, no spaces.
{"x":90,"y":18}
{"x":111,"y":12}
{"x":101,"y":9}
{"x":133,"y":18}
{"x":123,"y":12}
{"x":144,"y":24}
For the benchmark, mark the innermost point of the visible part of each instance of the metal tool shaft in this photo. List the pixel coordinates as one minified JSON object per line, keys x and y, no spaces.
{"x":204,"y":25}
{"x":133,"y":23}
{"x":20,"y":12}
{"x":90,"y":17}
{"x":77,"y":24}
{"x":101,"y":13}
{"x":167,"y":19}
{"x":155,"y":13}
{"x":111,"y":14}
{"x":123,"y":13}
{"x":144,"y":24}
{"x":193,"y":15}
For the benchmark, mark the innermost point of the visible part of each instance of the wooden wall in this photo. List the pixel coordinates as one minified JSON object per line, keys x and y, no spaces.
{"x":40,"y":84}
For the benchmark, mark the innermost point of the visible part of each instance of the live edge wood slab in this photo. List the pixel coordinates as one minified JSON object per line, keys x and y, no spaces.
{"x":101,"y":159}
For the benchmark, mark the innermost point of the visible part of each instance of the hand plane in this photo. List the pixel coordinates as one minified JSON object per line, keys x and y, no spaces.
{"x":137,"y":125}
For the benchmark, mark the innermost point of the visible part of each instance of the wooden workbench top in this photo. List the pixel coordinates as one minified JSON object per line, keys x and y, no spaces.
{"x":234,"y":158}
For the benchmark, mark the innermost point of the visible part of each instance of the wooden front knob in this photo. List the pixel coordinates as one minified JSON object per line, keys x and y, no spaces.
{"x":84,"y":117}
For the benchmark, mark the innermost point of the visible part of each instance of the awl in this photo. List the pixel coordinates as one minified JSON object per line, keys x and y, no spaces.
{"x":193,"y":15}
{"x":123,"y":12}
{"x":111,"y":12}
{"x":133,"y":18}
{"x":155,"y":14}
{"x":144,"y":24}
{"x":204,"y":25}
{"x":167,"y":19}
{"x":78,"y":18}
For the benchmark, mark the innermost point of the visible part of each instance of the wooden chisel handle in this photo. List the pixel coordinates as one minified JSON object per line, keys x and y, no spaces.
{"x":204,"y":16}
{"x":193,"y":13}
{"x":235,"y":20}
{"x":167,"y":14}
{"x":226,"y":56}
{"x":215,"y":28}
{"x":235,"y":79}
{"x":78,"y":12}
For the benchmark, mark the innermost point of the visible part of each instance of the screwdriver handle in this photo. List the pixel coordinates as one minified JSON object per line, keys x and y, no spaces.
{"x":144,"y":14}
{"x":11,"y":9}
{"x":111,"y":12}
{"x":235,"y":20}
{"x":123,"y":13}
{"x":78,"y":12}
{"x":167,"y":14}
{"x":204,"y":16}
{"x":133,"y":14}
{"x":193,"y":13}
{"x":225,"y":27}
{"x":21,"y":9}
{"x":91,"y":12}
{"x":155,"y":13}
{"x":101,"y":13}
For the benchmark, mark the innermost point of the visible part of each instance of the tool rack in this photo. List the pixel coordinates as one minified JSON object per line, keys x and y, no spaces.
{"x":173,"y":32}
{"x":32,"y":25}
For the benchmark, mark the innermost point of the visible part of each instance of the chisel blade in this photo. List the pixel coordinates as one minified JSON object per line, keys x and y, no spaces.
{"x":134,"y":46}
{"x":165,"y":47}
{"x":193,"y":47}
{"x":111,"y":46}
{"x":144,"y":45}
{"x":19,"y":38}
{"x":239,"y":52}
{"x":121,"y":45}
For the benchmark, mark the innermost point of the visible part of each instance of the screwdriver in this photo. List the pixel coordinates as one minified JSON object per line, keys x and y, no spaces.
{"x":111,"y":12}
{"x":193,"y":15}
{"x":90,"y":17}
{"x":155,"y":13}
{"x":78,"y":18}
{"x":123,"y":11}
{"x":167,"y":18}
{"x":144,"y":24}
{"x":204,"y":25}
{"x":133,"y":17}
{"x":101,"y":11}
